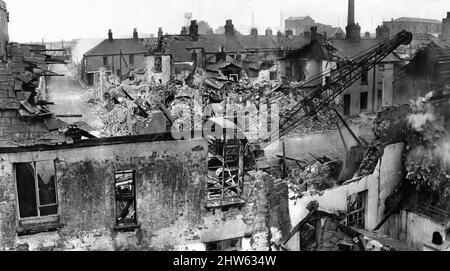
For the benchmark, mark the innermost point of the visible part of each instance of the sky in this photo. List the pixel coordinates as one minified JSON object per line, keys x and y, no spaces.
{"x":53,"y":20}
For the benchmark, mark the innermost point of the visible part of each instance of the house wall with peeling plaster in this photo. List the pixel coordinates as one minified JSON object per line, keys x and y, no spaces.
{"x":414,"y":229}
{"x":379,"y":186}
{"x":171,"y":199}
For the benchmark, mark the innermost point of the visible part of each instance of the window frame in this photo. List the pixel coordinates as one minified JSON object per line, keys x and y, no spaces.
{"x":135,"y":224}
{"x":39,"y":218}
{"x":131,"y":59}
{"x":360,"y":197}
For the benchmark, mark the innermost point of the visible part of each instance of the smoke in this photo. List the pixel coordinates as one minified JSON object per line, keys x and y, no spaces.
{"x":423,"y":113}
{"x":418,"y":121}
{"x":442,"y":152}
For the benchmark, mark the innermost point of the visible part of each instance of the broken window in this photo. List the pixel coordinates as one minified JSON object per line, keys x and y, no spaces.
{"x":131,"y":59}
{"x":105,"y":61}
{"x":224,"y":179}
{"x":365,"y":77}
{"x":125,"y":190}
{"x":364,"y":100}
{"x":36,"y":189}
{"x":225,"y":245}
{"x":356,"y":207}
{"x":158,"y":64}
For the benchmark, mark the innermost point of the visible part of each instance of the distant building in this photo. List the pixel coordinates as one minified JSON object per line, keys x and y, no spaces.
{"x":417,"y":26}
{"x":117,"y":56}
{"x":300,"y":25}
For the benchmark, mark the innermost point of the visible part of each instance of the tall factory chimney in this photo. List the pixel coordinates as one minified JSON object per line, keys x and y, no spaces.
{"x":353,"y":30}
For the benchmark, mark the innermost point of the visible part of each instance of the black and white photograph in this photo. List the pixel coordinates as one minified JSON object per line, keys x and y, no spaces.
{"x":218,"y":126}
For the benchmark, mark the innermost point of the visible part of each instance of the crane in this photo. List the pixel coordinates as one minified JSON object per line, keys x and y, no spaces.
{"x":320,"y":95}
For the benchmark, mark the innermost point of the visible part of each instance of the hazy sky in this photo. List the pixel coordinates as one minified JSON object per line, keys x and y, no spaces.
{"x":32,"y":20}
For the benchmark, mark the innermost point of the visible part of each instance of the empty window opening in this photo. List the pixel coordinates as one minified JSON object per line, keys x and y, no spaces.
{"x":225,"y":245}
{"x":380,"y":98}
{"x":105,"y":61}
{"x":356,"y":210}
{"x":364,"y":100}
{"x":224,"y":180}
{"x":347,"y":103}
{"x":36,"y":189}
{"x":125,"y":191}
{"x":158,"y":64}
{"x":365,"y":77}
{"x":131,"y":59}
{"x":437,"y":238}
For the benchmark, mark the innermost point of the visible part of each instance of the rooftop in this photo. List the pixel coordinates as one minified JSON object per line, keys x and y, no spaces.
{"x":115,"y":46}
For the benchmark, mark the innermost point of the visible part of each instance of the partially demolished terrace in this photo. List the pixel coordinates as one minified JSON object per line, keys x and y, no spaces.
{"x":185,"y":176}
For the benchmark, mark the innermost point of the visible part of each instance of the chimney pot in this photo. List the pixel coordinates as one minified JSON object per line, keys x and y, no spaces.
{"x":110,"y":35}
{"x":135,"y":34}
{"x":448,"y":15}
{"x":193,"y":30}
{"x":229,"y":27}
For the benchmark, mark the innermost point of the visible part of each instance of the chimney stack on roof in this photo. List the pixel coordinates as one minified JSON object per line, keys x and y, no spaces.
{"x":383,"y":32}
{"x":193,"y":30}
{"x":135,"y":34}
{"x":446,"y":28}
{"x":269,"y":32}
{"x":254,"y":32}
{"x":110,"y":35}
{"x":313,"y":33}
{"x":229,"y":28}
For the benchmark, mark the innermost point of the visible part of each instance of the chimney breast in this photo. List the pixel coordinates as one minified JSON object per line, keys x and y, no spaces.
{"x":313,"y":33}
{"x":351,"y":12}
{"x":193,"y":30}
{"x":110,"y":35}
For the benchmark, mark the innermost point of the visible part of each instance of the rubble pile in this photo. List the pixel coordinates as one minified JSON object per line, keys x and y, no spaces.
{"x":194,"y":98}
{"x":374,"y":152}
{"x":422,"y":126}
{"x":389,"y":127}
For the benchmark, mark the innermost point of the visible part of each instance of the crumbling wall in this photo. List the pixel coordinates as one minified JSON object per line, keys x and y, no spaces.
{"x":379,"y":186}
{"x":412,"y":228}
{"x":171,"y":201}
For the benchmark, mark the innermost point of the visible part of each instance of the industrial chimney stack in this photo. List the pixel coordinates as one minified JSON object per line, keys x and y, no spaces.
{"x":353,"y":30}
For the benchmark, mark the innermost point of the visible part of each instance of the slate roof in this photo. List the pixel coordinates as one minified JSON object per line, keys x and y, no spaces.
{"x":178,"y":46}
{"x":128,"y":46}
{"x":351,"y":49}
